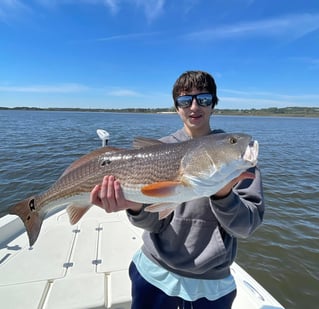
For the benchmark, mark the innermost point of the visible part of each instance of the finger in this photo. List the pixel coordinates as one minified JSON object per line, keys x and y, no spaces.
{"x":119,"y":196}
{"x":111,"y":198}
{"x":122,"y":202}
{"x":118,"y":191}
{"x":104,"y":188}
{"x":94,"y":196}
{"x":104,"y":193}
{"x":110,"y":188}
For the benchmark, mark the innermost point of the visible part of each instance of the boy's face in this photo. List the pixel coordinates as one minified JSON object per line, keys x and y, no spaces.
{"x":195,"y":117}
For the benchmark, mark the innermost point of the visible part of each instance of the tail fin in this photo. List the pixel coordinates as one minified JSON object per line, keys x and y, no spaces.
{"x":32,"y":219}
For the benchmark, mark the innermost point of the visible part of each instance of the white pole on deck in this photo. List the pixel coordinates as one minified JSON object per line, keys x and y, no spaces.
{"x":104,"y":136}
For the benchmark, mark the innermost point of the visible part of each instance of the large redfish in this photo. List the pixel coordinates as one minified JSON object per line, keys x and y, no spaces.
{"x":160,"y":174}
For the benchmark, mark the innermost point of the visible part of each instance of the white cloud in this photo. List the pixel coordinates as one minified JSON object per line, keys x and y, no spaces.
{"x":123,"y":93}
{"x":152,"y":8}
{"x":60,"y":88}
{"x":72,"y":88}
{"x":259,"y":99}
{"x":271,"y":94}
{"x":127,"y":36}
{"x":9,"y":9}
{"x":113,"y":5}
{"x":289,"y":27}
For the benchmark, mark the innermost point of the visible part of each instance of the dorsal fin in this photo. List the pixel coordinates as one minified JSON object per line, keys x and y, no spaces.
{"x":87,"y":157}
{"x":141,"y":142}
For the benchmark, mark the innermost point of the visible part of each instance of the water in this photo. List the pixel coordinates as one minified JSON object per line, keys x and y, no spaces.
{"x":283,"y":255}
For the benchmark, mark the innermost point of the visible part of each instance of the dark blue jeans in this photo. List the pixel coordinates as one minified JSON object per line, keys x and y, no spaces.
{"x":147,"y":296}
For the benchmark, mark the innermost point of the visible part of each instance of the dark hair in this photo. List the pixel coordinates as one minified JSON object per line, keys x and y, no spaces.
{"x":195,"y":79}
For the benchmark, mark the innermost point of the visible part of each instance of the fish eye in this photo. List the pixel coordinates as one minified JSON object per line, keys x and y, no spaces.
{"x":232,"y":140}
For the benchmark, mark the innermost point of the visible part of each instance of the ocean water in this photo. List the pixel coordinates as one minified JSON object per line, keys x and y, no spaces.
{"x":283,"y":254}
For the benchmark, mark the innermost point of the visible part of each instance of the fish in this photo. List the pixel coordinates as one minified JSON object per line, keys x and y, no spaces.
{"x":160,"y":175}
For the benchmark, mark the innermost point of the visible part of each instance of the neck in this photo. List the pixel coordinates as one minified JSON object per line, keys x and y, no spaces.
{"x":197,"y":133}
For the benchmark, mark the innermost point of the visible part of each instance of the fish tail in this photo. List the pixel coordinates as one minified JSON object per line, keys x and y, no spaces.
{"x":32,"y":219}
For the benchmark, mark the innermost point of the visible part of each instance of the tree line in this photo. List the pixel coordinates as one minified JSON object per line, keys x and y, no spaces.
{"x":271,"y":111}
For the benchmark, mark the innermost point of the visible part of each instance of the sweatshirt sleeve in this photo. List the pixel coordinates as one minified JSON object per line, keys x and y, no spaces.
{"x":241,"y":212}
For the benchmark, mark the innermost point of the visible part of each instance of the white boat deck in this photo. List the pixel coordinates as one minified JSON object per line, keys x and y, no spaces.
{"x":85,"y":265}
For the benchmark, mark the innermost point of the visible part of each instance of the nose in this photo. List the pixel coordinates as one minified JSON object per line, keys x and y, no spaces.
{"x":194,"y":104}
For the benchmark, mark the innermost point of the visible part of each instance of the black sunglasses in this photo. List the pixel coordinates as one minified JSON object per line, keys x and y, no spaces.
{"x":202,"y":99}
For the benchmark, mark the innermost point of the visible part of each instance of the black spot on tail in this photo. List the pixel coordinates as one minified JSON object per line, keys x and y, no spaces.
{"x":32,"y":205}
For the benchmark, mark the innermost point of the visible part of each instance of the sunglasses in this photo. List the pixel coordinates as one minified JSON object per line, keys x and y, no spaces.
{"x":202,"y":99}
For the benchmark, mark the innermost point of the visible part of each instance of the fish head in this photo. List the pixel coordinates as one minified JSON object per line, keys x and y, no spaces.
{"x":225,"y":148}
{"x":217,"y":159}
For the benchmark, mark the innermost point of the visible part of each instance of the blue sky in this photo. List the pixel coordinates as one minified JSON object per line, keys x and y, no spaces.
{"x":128,"y":53}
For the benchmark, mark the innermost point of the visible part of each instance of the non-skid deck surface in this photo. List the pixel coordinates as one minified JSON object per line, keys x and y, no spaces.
{"x":81,"y":266}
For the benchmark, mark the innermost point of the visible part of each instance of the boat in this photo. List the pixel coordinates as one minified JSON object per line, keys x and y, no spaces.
{"x":85,"y":265}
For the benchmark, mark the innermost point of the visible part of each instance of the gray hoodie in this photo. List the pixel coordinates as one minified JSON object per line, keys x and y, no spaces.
{"x":199,"y":240}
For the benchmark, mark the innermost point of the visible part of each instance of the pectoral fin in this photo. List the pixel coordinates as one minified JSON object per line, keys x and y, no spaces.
{"x":163,"y":209}
{"x":161,"y":189}
{"x":88,"y":157}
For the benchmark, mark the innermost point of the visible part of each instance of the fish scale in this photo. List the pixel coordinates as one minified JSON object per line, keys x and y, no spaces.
{"x":143,"y":166}
{"x":164,"y":175}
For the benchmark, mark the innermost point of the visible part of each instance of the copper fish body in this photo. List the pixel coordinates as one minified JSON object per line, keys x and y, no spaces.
{"x":163,"y":175}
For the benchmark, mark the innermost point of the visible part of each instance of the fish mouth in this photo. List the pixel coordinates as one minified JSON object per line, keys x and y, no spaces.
{"x":251,"y":153}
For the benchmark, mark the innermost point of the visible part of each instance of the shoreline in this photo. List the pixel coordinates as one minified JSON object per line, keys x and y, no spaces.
{"x":311,"y":112}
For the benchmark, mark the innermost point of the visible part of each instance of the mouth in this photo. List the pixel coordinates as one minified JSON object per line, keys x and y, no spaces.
{"x":195,"y":116}
{"x":251,"y":153}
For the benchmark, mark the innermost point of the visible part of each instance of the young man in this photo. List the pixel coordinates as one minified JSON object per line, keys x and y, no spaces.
{"x":185,"y":259}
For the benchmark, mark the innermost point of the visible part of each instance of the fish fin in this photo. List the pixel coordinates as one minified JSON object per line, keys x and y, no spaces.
{"x":87,"y":157}
{"x":31,"y":217}
{"x":76,"y":211}
{"x":163,"y":209}
{"x":161,"y":189}
{"x":165,"y":213}
{"x":141,"y":142}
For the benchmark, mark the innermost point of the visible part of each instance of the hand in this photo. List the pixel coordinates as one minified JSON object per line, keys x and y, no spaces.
{"x":227,"y":189}
{"x":110,"y":197}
